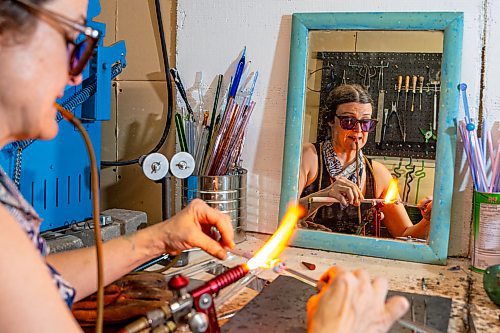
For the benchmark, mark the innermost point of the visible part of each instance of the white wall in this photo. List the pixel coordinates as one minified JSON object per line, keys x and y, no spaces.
{"x":212,"y":33}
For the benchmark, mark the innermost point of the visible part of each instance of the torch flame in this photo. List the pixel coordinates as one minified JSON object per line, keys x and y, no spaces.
{"x":392,"y":192}
{"x":279,"y":240}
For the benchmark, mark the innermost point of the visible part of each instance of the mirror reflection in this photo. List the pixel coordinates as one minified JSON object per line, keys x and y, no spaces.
{"x":371,"y":111}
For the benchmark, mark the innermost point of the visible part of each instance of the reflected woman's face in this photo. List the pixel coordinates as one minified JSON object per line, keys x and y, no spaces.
{"x":345,"y":140}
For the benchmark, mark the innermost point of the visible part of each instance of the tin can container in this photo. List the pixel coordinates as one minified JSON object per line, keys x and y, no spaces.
{"x":486,"y":230}
{"x":226,"y":193}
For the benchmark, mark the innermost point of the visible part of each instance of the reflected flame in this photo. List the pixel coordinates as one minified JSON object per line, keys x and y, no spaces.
{"x":268,"y":254}
{"x":392,"y":192}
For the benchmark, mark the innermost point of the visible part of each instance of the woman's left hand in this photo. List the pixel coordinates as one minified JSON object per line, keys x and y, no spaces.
{"x":425,"y":206}
{"x":191,"y":228}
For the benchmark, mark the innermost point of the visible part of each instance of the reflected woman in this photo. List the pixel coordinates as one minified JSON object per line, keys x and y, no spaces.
{"x":328,"y":168}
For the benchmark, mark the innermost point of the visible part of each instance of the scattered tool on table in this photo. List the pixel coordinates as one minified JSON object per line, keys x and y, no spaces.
{"x":309,"y":265}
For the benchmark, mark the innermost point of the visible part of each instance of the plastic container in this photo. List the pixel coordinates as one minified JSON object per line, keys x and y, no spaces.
{"x":486,"y":230}
{"x":226,"y":193}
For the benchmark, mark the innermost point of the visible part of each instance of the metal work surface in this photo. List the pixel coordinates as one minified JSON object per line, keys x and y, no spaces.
{"x":432,"y":311}
{"x":281,"y":307}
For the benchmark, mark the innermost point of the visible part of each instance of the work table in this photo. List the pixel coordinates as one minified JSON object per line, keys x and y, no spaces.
{"x":454,"y":281}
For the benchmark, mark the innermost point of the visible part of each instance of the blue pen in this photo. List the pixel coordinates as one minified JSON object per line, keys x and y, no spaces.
{"x":237,"y":75}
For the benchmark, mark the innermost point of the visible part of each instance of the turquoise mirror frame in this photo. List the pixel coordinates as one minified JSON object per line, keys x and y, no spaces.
{"x":436,"y":250}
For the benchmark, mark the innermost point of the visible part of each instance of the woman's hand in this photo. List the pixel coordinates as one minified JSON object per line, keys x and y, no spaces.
{"x":349,"y":302}
{"x":191,"y":226}
{"x":425,"y":206}
{"x":345,"y":191}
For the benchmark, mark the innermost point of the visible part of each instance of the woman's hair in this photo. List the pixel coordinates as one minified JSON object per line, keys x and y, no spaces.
{"x":16,"y":21}
{"x":347,"y":93}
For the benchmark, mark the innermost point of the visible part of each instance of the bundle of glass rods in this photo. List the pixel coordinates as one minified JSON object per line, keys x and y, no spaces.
{"x":216,"y":140}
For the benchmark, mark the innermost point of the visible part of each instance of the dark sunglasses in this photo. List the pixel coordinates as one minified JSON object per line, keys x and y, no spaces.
{"x":81,"y":51}
{"x":349,"y":123}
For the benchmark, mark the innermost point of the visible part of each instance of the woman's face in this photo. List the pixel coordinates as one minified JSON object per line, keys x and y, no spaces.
{"x":35,"y":72}
{"x":343,"y":139}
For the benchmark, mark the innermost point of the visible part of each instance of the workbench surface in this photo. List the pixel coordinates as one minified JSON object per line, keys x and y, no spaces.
{"x":454,"y":281}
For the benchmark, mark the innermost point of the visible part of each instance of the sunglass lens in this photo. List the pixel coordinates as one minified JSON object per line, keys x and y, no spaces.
{"x":81,"y":55}
{"x":348,"y":123}
{"x":367,"y":125}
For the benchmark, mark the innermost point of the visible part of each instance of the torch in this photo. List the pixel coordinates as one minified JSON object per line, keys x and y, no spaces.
{"x":197,"y":308}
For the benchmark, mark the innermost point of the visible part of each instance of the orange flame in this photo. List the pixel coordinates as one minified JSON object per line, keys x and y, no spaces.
{"x":392,"y":192}
{"x":279,"y":240}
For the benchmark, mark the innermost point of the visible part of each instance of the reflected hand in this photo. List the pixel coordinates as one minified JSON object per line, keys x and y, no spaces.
{"x":425,"y":206}
{"x":191,"y":226}
{"x":349,"y":302}
{"x":345,"y":191}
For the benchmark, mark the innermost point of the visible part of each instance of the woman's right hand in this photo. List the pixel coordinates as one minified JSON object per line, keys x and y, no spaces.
{"x":191,"y":227}
{"x":345,"y":191}
{"x":349,"y":302}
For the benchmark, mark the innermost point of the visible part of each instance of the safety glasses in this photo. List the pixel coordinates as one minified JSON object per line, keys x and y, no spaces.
{"x":81,"y":49}
{"x":349,"y":123}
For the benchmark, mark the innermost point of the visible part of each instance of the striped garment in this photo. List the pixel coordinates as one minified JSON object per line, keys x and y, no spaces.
{"x":30,"y":222}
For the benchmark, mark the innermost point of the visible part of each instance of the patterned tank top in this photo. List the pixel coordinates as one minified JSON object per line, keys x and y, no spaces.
{"x":335,"y":217}
{"x":30,"y":222}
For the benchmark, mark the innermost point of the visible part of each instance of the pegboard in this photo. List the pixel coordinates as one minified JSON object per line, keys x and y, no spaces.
{"x":378,"y":72}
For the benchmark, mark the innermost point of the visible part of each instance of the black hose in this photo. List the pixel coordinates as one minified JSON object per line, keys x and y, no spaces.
{"x":170,"y":102}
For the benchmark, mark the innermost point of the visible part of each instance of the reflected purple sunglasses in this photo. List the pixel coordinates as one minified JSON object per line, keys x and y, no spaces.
{"x":349,"y":123}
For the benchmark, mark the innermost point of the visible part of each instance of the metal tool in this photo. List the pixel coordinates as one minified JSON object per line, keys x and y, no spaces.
{"x":330,"y":200}
{"x":412,"y":313}
{"x":195,"y":308}
{"x":428,"y":134}
{"x":413,"y":90}
{"x":380,"y":110}
{"x":435,"y":83}
{"x":380,"y":82}
{"x":400,"y":82}
{"x":394,"y":111}
{"x":420,"y":88}
{"x":384,"y":126}
{"x":407,"y":88}
{"x":177,"y":79}
{"x":367,"y":72}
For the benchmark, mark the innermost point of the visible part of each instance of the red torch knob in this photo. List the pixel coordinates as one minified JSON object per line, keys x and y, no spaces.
{"x":178,"y":282}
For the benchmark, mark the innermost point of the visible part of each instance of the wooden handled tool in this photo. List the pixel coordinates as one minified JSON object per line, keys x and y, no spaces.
{"x":400,"y":83}
{"x":413,"y":90}
{"x":407,"y":88}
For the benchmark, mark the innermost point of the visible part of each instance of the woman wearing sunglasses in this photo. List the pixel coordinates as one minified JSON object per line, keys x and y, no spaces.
{"x":45,"y":45}
{"x":329,"y":169}
{"x":41,"y":51}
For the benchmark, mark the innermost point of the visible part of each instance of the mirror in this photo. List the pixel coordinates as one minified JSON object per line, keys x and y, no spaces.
{"x":409,"y":63}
